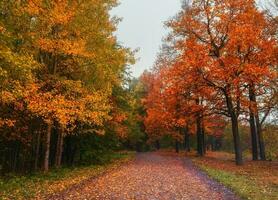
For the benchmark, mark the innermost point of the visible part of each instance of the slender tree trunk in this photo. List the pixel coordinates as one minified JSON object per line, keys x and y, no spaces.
{"x":257,"y":123}
{"x":236,"y":137}
{"x":37,"y":153}
{"x":47,"y":148}
{"x":157,"y":143}
{"x":203,"y":139}
{"x":253,"y":128}
{"x":199,"y":136}
{"x":237,"y":145}
{"x":59,"y":148}
{"x":254,"y":138}
{"x":15,"y":155}
{"x":260,"y":138}
{"x":186,"y":140}
{"x":213,"y":143}
{"x":177,"y":146}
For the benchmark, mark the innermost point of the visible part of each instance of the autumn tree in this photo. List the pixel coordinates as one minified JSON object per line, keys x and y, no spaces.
{"x":65,"y":73}
{"x":227,"y":42}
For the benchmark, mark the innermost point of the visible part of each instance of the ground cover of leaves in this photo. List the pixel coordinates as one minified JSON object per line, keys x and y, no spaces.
{"x":151,"y":176}
{"x":42,"y":186}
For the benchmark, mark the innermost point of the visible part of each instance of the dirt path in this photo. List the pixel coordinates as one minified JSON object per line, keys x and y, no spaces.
{"x":150,"y":177}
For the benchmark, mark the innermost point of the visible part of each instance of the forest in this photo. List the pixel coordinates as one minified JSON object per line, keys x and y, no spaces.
{"x":68,"y":98}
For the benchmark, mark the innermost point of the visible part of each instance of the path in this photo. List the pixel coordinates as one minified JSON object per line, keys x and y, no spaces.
{"x":151,"y":177}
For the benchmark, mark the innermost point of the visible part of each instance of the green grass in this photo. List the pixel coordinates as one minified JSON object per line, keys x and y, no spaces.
{"x":40,"y":185}
{"x":245,"y":187}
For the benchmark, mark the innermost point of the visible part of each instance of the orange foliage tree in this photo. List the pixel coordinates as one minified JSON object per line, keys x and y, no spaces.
{"x":225,"y":53}
{"x":59,"y":64}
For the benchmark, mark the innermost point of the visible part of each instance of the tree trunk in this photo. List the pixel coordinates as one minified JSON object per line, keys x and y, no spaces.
{"x":15,"y":158}
{"x":177,"y":146}
{"x":258,"y":127}
{"x":253,"y":128}
{"x":37,"y":153}
{"x":203,"y":139}
{"x":260,"y":137}
{"x":47,"y":148}
{"x":199,"y":136}
{"x":157,"y":143}
{"x":59,"y":148}
{"x":254,"y":138}
{"x":186,"y":140}
{"x":236,"y":137}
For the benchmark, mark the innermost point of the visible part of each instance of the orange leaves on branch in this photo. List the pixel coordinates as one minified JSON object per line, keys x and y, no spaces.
{"x":57,"y":11}
{"x":63,"y":46}
{"x":90,"y":109}
{"x":34,"y":7}
{"x":7,"y":122}
{"x":53,"y":27}
{"x":2,"y":29}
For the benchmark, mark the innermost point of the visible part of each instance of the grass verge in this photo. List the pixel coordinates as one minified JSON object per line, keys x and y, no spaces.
{"x":254,"y":180}
{"x":40,"y":185}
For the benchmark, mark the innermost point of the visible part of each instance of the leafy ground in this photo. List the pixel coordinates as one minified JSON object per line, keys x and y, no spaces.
{"x":161,"y":175}
{"x":150,"y":176}
{"x":256,"y":180}
{"x":40,"y":186}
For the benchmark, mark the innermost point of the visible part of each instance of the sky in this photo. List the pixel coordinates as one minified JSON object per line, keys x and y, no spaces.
{"x":142,"y":27}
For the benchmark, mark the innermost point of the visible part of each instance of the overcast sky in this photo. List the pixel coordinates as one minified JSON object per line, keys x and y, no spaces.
{"x":143,"y":27}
